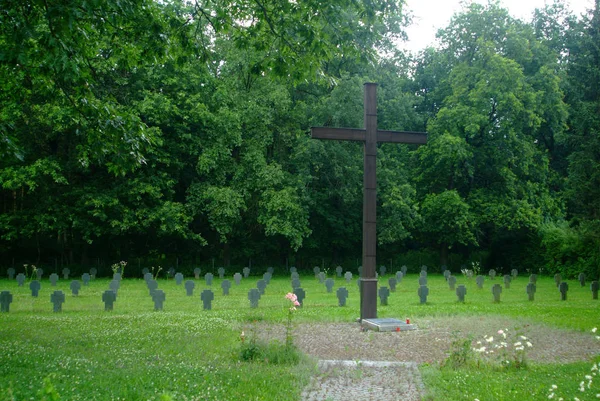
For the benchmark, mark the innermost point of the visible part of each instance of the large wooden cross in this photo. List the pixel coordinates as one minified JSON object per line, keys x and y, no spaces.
{"x":370,"y":135}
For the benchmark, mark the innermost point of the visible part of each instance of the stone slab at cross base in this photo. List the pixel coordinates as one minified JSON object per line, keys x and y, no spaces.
{"x":387,"y":324}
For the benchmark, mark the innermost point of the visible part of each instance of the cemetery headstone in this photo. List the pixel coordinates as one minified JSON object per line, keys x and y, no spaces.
{"x":296,"y":283}
{"x":93,"y":272}
{"x":358,"y":282}
{"x":6,"y":299}
{"x":66,"y":273}
{"x":480,"y":280}
{"x":152,"y":286}
{"x":75,"y":287}
{"x":492,"y":274}
{"x":85,"y":277}
{"x":594,"y":289}
{"x":225,"y":286}
{"x":329,"y":283}
{"x":582,"y":279}
{"x":171,"y":273}
{"x":114,"y":285}
{"x":557,"y":279}
{"x":384,"y":293}
{"x":422,"y":280}
{"x":392,"y":283}
{"x":207,"y":297}
{"x":246,"y":272}
{"x":57,"y":298}
{"x":342,"y":295}
{"x":158,"y":296}
{"x":11,"y":273}
{"x":563,"y":287}
{"x":39,"y":272}
{"x":533,"y":278}
{"x":316,"y":270}
{"x":423,"y":274}
{"x":321,"y":277}
{"x":53,"y":279}
{"x":253,"y":297}
{"x":461,"y":291}
{"x":496,"y":291}
{"x":469,"y":274}
{"x":300,"y":294}
{"x":399,"y":276}
{"x":237,"y":278}
{"x":197,"y":272}
{"x":189,"y":287}
{"x":270,"y":270}
{"x":267,"y":277}
{"x":295,"y":275}
{"x":293,"y":270}
{"x":423,"y":292}
{"x":359,"y":271}
{"x":404,"y":269}
{"x":531,"y":288}
{"x":117,"y":276}
{"x":178,"y":278}
{"x":382,"y":270}
{"x":109,"y":298}
{"x":514,"y":273}
{"x":208,"y":278}
{"x":221,"y":272}
{"x":348,"y":277}
{"x":451,"y":282}
{"x":35,"y":286}
{"x":148,"y":277}
{"x":144,"y":271}
{"x":21,"y":279}
{"x":424,"y":268}
{"x":261,"y":285}
{"x":507,"y":280}
{"x":447,"y":274}
{"x":338,"y":271}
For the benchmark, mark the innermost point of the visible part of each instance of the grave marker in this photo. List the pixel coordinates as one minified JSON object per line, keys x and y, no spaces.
{"x":531,"y":288}
{"x":253,"y":297}
{"x":170,"y":273}
{"x":557,"y":279}
{"x":342,"y":295}
{"x":158,"y":296}
{"x":582,"y":279}
{"x":492,"y":274}
{"x":451,"y":282}
{"x":85,"y":277}
{"x":399,"y":276}
{"x":57,"y":298}
{"x":423,"y":292}
{"x":382,"y":270}
{"x":329,"y":283}
{"x":348,"y":277}
{"x":66,"y":273}
{"x":300,"y":294}
{"x":207,"y":297}
{"x":270,"y":270}
{"x":404,"y":269}
{"x":338,"y":271}
{"x":114,"y":285}
{"x":480,"y":280}
{"x":496,"y":291}
{"x":6,"y":299}
{"x":507,"y":280}
{"x":267,"y":277}
{"x":594,"y":289}
{"x":148,"y":277}
{"x":384,"y":293}
{"x":93,"y":272}
{"x":422,"y":280}
{"x":246,"y":271}
{"x":293,"y":270}
{"x":109,"y":298}
{"x":295,"y":275}
{"x":117,"y":276}
{"x":461,"y":291}
{"x":20,"y":279}
{"x":39,"y":273}
{"x":424,"y":269}
{"x":261,"y":285}
{"x":152,"y":286}
{"x":423,"y":274}
{"x":35,"y":286}
{"x":189,"y":287}
{"x":316,"y":270}
{"x":178,"y":278}
{"x":514,"y":273}
{"x":225,"y":286}
{"x":144,"y":271}
{"x":392,"y":283}
{"x":533,"y":278}
{"x":370,"y":136}
{"x":563,"y":287}
{"x":221,"y":272}
{"x":197,"y":272}
{"x":75,"y":287}
{"x":208,"y":278}
{"x":53,"y":279}
{"x":447,"y":274}
{"x":11,"y":273}
{"x":296,"y":283}
{"x":237,"y":278}
{"x":321,"y":277}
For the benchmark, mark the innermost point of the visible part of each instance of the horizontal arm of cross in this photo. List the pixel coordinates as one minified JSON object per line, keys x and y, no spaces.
{"x":357,"y":134}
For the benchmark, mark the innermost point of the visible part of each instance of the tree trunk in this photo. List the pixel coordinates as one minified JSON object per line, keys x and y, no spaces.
{"x":444,"y":254}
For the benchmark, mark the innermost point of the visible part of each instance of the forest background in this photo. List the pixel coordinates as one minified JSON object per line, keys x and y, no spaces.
{"x":177,"y":133}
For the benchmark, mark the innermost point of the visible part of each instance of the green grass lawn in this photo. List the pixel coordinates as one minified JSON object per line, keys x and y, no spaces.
{"x":186,"y":353}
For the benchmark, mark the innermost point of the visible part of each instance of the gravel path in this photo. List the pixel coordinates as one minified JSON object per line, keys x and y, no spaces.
{"x":387,"y":362}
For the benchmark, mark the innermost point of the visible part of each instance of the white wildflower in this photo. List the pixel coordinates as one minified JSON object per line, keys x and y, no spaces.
{"x":594,"y":329}
{"x":529,"y":344}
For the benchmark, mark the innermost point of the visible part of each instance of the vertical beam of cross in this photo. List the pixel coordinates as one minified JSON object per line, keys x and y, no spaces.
{"x":370,"y":135}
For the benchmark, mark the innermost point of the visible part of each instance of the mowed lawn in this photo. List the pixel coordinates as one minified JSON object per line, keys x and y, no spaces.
{"x":186,"y":353}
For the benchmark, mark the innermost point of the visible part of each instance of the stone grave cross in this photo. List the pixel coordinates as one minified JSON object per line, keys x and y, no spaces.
{"x":370,"y":136}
